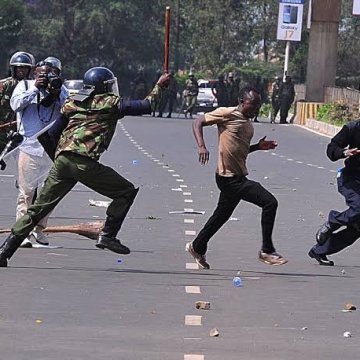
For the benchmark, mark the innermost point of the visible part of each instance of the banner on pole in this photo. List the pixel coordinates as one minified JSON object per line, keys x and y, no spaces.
{"x":356,"y":7}
{"x":290,"y":20}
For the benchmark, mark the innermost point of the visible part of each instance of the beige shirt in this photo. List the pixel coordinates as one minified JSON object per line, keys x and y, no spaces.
{"x":235,"y":132}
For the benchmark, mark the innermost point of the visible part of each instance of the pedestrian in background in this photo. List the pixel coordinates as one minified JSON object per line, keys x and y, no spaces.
{"x":275,"y":98}
{"x":287,"y":96}
{"x":191,"y":92}
{"x":219,"y":90}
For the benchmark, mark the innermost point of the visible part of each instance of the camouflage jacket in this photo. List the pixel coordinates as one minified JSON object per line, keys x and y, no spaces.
{"x":192,"y":87}
{"x":92,"y":123}
{"x":7,"y":87}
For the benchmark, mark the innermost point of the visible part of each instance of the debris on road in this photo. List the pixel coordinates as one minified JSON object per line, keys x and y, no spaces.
{"x":214,"y":332}
{"x":347,"y":334}
{"x":202,"y":305}
{"x":99,"y":203}
{"x":237,"y":281}
{"x":350,"y":307}
{"x":304,"y":328}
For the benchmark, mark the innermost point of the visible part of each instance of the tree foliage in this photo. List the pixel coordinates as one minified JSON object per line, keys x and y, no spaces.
{"x":208,"y":37}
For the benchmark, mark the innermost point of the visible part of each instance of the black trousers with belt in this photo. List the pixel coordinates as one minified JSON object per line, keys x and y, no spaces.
{"x":232,"y":190}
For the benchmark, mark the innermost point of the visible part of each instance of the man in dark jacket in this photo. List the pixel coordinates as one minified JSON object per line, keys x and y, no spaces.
{"x":344,"y":145}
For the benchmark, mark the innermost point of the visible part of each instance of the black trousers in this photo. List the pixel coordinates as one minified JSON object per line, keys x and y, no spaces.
{"x":349,"y":187}
{"x":285,"y":105}
{"x":232,"y":190}
{"x":338,"y":241}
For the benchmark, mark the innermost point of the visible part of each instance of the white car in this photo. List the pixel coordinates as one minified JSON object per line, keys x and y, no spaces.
{"x":205,"y":96}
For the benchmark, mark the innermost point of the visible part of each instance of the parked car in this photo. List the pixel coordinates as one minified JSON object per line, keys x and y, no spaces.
{"x":205,"y":97}
{"x":73,"y":86}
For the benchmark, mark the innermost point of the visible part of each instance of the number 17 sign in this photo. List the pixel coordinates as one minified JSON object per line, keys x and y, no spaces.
{"x":290,"y":20}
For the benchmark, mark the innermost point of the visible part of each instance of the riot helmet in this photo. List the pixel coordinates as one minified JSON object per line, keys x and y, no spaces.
{"x":55,"y":63}
{"x":20,"y":58}
{"x":101,"y":80}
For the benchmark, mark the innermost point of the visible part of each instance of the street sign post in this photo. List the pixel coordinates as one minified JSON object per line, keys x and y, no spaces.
{"x":356,"y":7}
{"x":289,"y":25}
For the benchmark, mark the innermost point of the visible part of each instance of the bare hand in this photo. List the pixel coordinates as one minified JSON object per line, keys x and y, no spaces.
{"x":164,"y":80}
{"x":203,"y":155}
{"x":351,"y":152}
{"x":41,"y":81}
{"x":267,"y":144}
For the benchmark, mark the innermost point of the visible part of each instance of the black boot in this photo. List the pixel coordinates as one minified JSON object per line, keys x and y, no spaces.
{"x":107,"y":238}
{"x":325,"y":232}
{"x":8,"y":249}
{"x":107,"y":241}
{"x":321,"y":259}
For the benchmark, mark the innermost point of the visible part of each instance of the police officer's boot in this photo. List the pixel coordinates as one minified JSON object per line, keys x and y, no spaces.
{"x":107,"y":238}
{"x":325,"y":232}
{"x":8,"y":248}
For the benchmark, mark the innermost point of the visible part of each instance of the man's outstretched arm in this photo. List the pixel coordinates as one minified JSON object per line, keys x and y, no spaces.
{"x":197,"y":127}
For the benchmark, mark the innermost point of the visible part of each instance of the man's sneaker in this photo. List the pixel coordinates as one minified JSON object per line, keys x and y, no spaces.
{"x":323,"y":234}
{"x":272,"y":258}
{"x":112,"y":244}
{"x":321,"y":259}
{"x":26,"y":243}
{"x":200,"y":259}
{"x":40,"y":237}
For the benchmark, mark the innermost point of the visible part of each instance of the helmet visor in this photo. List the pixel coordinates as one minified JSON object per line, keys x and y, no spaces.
{"x":112,"y":86}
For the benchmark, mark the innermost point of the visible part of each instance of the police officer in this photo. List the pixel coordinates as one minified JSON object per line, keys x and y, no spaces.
{"x":232,"y":90}
{"x":21,"y":64}
{"x":344,"y":145}
{"x":275,"y":98}
{"x":219,"y":91}
{"x":92,"y":116}
{"x":287,"y":96}
{"x":191,"y":91}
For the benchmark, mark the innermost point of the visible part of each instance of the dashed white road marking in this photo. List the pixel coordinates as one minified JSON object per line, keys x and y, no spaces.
{"x":190,"y":232}
{"x":188,"y":200}
{"x":179,"y":180}
{"x":175,"y":175}
{"x":188,"y":210}
{"x":192,"y":289}
{"x":183,"y":186}
{"x":187,"y":193}
{"x":193,"y":320}
{"x":194,"y":357}
{"x":192,"y":266}
{"x":171,"y":170}
{"x":188,"y":221}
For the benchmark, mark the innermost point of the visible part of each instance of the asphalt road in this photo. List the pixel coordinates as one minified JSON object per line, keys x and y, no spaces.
{"x":79,"y":302}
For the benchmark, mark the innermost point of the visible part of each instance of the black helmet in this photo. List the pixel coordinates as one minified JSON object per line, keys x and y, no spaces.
{"x":55,"y":63}
{"x":20,"y":58}
{"x":101,"y":79}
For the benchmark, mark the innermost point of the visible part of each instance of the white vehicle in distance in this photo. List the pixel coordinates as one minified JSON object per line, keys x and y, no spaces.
{"x":205,"y":96}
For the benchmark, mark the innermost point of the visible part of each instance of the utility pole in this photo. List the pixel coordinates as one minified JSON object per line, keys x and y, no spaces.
{"x":322,"y":58}
{"x":177,"y":36}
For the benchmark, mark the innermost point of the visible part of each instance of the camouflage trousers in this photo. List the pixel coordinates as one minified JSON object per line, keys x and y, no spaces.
{"x":68,"y":169}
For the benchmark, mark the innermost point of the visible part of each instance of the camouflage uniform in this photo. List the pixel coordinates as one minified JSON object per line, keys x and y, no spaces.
{"x":7,"y":115}
{"x":91,"y":126}
{"x":191,"y":90}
